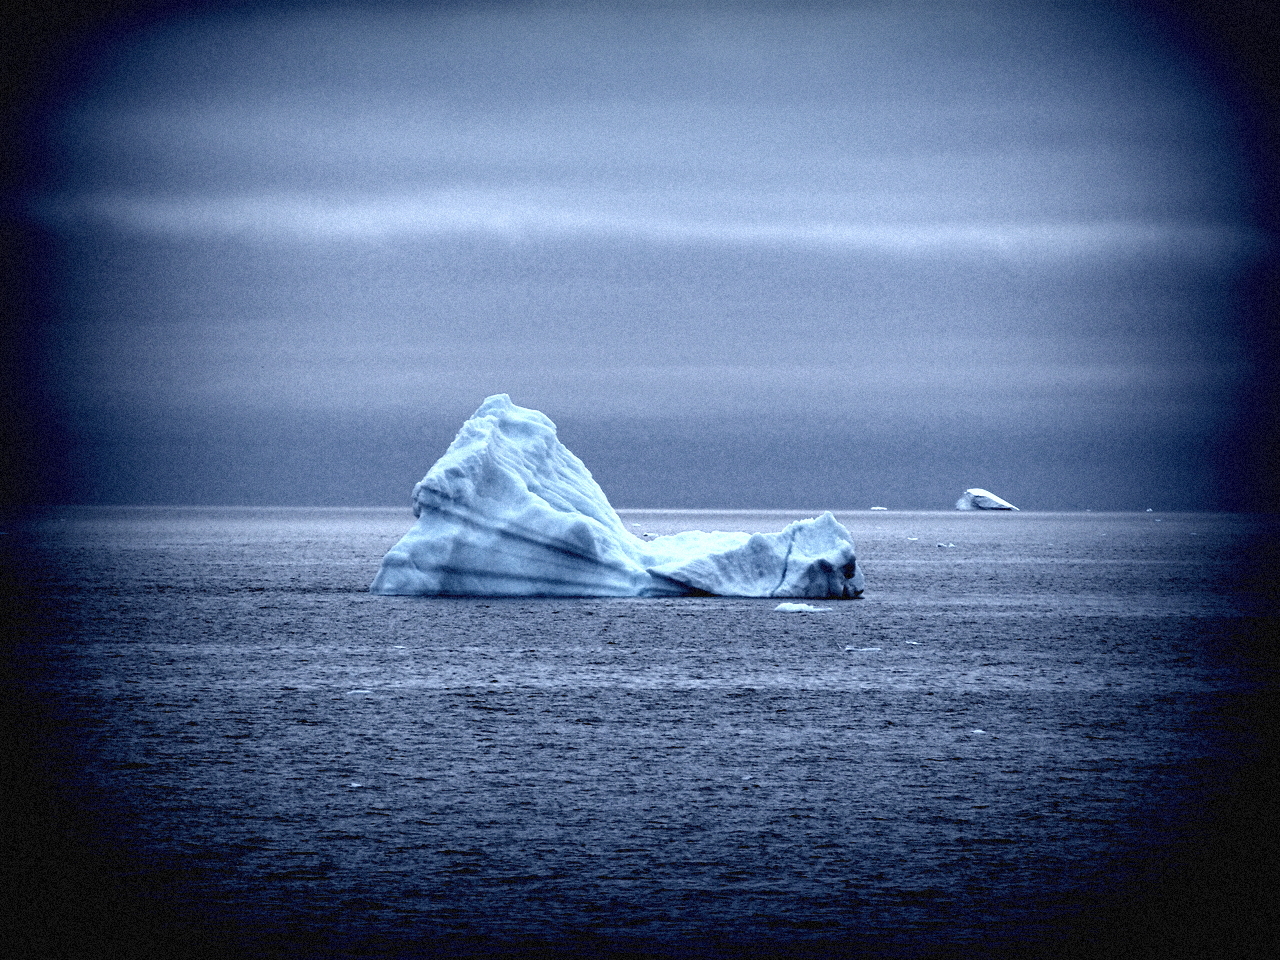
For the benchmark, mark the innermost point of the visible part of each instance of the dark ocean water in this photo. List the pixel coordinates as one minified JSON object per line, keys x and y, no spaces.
{"x":1036,"y":733}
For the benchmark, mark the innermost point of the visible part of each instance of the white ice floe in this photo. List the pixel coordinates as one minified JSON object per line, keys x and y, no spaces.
{"x":509,"y":511}
{"x":976,"y":498}
{"x":799,"y":608}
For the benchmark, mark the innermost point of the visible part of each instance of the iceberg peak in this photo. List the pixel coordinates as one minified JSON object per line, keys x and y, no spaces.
{"x":510,"y":511}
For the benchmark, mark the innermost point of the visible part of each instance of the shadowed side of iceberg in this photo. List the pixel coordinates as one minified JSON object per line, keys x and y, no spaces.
{"x":509,"y":511}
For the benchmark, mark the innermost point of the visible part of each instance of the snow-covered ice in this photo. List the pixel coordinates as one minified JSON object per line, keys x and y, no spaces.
{"x":509,"y":511}
{"x":978,"y":499}
{"x":799,"y":608}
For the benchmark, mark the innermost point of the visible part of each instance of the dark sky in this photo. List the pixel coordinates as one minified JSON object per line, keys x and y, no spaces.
{"x":775,"y":255}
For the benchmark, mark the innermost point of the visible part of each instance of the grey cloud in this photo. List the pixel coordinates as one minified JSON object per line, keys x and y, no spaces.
{"x":925,"y":235}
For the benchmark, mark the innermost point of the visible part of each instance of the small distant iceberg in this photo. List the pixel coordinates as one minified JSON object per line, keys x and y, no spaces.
{"x":509,"y":511}
{"x":978,"y":499}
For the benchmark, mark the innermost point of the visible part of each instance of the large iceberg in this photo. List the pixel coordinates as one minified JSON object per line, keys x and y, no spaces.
{"x":509,"y":511}
{"x":978,"y":499}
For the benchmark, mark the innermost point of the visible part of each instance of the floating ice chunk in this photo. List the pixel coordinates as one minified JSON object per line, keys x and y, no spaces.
{"x":799,"y":608}
{"x":509,"y":511}
{"x":879,"y":508}
{"x":808,"y":558}
{"x":978,"y":499}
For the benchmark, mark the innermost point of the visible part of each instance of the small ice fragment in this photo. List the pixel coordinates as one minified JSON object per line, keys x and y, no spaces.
{"x":914,"y":643}
{"x":862,"y":649}
{"x":355,"y":784}
{"x":799,"y":608}
{"x":1148,"y":509}
{"x":979,"y":731}
{"x":879,"y":508}
{"x":913,"y":538}
{"x":352,"y":693}
{"x":946,"y":544}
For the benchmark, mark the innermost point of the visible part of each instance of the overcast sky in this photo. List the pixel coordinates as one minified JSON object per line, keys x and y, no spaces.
{"x":775,"y":255}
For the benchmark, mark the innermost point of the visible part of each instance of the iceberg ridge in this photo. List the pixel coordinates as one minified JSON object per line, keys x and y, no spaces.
{"x":510,"y":511}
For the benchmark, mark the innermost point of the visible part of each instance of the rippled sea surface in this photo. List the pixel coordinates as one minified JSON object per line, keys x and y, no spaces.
{"x":1025,"y":737}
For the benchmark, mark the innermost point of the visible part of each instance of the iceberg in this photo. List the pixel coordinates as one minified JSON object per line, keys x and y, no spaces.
{"x":509,"y":511}
{"x":978,"y":499}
